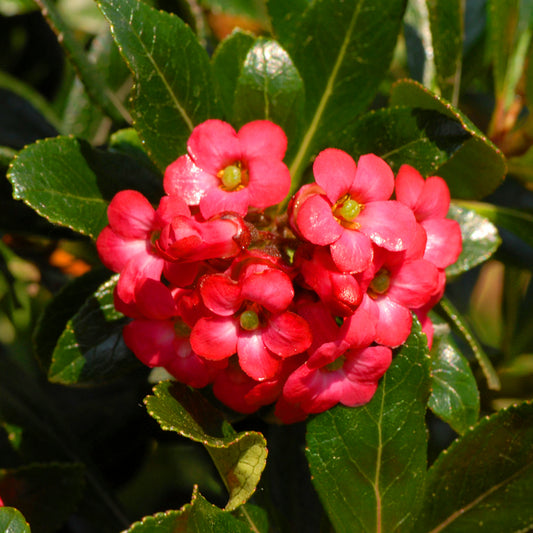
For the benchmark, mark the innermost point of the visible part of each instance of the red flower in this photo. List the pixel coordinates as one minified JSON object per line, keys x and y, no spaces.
{"x":351,"y":209}
{"x":250,"y":318}
{"x":228,"y":171}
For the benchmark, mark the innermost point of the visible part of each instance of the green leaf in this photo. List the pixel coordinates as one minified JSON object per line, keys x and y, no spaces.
{"x":81,"y":117}
{"x":199,"y":516}
{"x":60,"y":309}
{"x":343,"y":53}
{"x":174,"y":88}
{"x":270,"y":88}
{"x":89,"y":73}
{"x":45,"y":493}
{"x":284,"y":18}
{"x":517,"y":221}
{"x":17,"y":7}
{"x":253,"y":9}
{"x":368,"y":463}
{"x":228,"y":60}
{"x":482,"y":482}
{"x":12,"y":521}
{"x":91,"y":348}
{"x":480,"y":239}
{"x":71,"y":184}
{"x":446,"y":21}
{"x":127,"y":142}
{"x":478,"y":153}
{"x":239,"y":457}
{"x":422,"y":138}
{"x":454,"y":393}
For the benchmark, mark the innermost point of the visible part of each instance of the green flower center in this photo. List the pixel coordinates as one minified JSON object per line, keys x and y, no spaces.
{"x":381,"y":282}
{"x":181,"y":329}
{"x":231,"y":177}
{"x":346,"y":210}
{"x":335,"y":365}
{"x":249,"y":320}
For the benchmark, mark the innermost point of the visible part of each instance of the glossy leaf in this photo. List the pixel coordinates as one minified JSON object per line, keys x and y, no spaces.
{"x":270,"y":88}
{"x":45,"y":493}
{"x":284,"y":18}
{"x":127,"y":142}
{"x":423,"y":138}
{"x":478,"y":153}
{"x":368,"y":463}
{"x":239,"y":457}
{"x":446,"y":20}
{"x":228,"y":61}
{"x":91,"y":348}
{"x":199,"y":516}
{"x":480,"y":239}
{"x":483,"y":481}
{"x":344,"y":55}
{"x":12,"y":521}
{"x":454,"y":393}
{"x":69,"y":183}
{"x":58,"y":311}
{"x":516,"y":221}
{"x":174,"y":88}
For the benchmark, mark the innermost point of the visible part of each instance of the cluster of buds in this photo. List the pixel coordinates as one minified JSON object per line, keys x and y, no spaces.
{"x":299,"y":308}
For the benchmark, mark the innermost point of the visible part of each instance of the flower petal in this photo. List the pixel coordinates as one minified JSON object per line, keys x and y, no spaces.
{"x":255,"y":360}
{"x":352,"y":252}
{"x":217,"y":201}
{"x":374,"y":180}
{"x":151,"y":341}
{"x":394,"y":323}
{"x":316,"y":222}
{"x":334,"y":171}
{"x":444,"y":241}
{"x":287,"y":334}
{"x":138,"y":269}
{"x":130,"y":214}
{"x":271,"y":289}
{"x":215,"y":338}
{"x":213,"y":145}
{"x":262,"y":137}
{"x":414,"y":283}
{"x":115,"y":251}
{"x":409,"y":185}
{"x":221,"y":294}
{"x":270,"y":181}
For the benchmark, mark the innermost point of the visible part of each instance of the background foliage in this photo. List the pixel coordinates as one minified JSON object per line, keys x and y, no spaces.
{"x":100,"y":96}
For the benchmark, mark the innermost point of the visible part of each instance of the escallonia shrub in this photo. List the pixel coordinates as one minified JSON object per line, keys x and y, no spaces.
{"x":299,"y":305}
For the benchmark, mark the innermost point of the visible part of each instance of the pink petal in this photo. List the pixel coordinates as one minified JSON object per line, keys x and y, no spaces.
{"x":169,"y":207}
{"x":414,"y":283}
{"x":409,"y":185}
{"x":213,"y":145}
{"x":221,"y":294}
{"x":444,"y":241}
{"x":359,"y":329}
{"x":181,"y":274}
{"x":215,"y":338}
{"x":389,"y":224}
{"x":136,"y":271}
{"x":130,"y":214}
{"x":151,"y":341}
{"x":434,"y":201}
{"x":352,"y":252}
{"x":368,"y":364}
{"x":316,"y":221}
{"x":254,"y":358}
{"x":374,"y":180}
{"x":262,"y":138}
{"x":334,"y":171}
{"x":271,"y":289}
{"x":155,"y":300}
{"x":287,"y":334}
{"x":184,"y":178}
{"x":269,"y":182}
{"x":217,"y":201}
{"x":394,"y":323}
{"x":115,"y":251}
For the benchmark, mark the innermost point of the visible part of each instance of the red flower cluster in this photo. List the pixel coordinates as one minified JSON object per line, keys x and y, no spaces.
{"x":300,"y":308}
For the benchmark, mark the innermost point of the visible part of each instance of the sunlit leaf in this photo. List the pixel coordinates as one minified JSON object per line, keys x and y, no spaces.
{"x":12,"y":521}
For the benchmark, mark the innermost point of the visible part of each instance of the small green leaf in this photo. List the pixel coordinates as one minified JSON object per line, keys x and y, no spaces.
{"x":270,"y":88}
{"x":199,"y":516}
{"x":60,"y":309}
{"x":69,"y":183}
{"x":516,"y":221}
{"x":446,"y":20}
{"x":478,"y":152}
{"x":423,"y":138}
{"x":342,"y":53}
{"x":482,"y":482}
{"x":239,"y":457}
{"x":454,"y":393}
{"x":368,"y":463}
{"x":480,"y":239}
{"x":127,"y":142}
{"x":91,"y":348}
{"x":174,"y":88}
{"x":228,"y":60}
{"x":45,"y":493}
{"x":12,"y":521}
